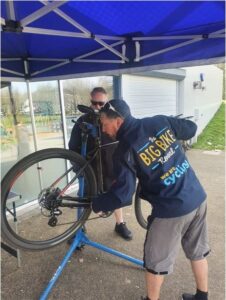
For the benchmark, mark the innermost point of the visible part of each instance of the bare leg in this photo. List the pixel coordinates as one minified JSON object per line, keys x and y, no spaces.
{"x":118,"y":215}
{"x":153,"y":283}
{"x":200,"y":270}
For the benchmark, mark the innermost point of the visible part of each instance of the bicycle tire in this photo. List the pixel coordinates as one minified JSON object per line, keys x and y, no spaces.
{"x":35,"y":164}
{"x":138,"y":209}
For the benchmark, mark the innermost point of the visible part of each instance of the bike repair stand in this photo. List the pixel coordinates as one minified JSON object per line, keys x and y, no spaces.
{"x":80,"y":238}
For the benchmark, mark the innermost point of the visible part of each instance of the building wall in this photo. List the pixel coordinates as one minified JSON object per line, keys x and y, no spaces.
{"x":149,"y":96}
{"x":171,"y":92}
{"x":202,"y":103}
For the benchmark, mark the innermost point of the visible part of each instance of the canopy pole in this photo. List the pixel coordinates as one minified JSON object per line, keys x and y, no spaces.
{"x":10,"y":10}
{"x":12,"y":72}
{"x":180,"y":45}
{"x":13,"y":106}
{"x":176,"y":37}
{"x":29,"y":94}
{"x":62,"y":106}
{"x":137,"y":46}
{"x":32,"y":114}
{"x":98,"y":50}
{"x":87,"y":32}
{"x":50,"y":68}
{"x":41,"y":12}
{"x":33,"y":124}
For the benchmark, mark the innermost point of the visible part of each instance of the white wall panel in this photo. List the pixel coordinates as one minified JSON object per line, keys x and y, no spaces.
{"x":203,"y":103}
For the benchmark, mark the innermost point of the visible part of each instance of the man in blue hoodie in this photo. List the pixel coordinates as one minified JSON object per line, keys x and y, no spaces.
{"x":149,"y":150}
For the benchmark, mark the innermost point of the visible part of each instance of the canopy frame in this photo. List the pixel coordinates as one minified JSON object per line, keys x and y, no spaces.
{"x":11,"y":24}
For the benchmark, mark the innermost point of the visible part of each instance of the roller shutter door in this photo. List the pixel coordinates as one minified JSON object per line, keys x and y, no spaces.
{"x":149,"y":96}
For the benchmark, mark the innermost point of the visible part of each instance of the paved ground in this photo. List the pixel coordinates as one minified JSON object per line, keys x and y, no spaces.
{"x":92,"y":274}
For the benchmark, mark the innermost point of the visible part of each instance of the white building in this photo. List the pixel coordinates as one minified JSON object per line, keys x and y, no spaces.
{"x":193,"y":91}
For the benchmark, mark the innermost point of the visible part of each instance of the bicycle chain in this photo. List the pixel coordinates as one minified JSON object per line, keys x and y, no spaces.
{"x":86,"y":220}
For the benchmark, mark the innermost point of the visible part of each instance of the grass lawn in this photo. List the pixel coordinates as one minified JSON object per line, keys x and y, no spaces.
{"x":213,"y":136}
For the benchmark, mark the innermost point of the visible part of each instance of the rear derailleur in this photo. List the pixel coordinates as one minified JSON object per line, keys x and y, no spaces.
{"x":48,"y":200}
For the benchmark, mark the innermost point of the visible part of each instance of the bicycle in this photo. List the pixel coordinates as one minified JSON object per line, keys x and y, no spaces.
{"x":53,"y":198}
{"x":143,"y":207}
{"x":46,"y":212}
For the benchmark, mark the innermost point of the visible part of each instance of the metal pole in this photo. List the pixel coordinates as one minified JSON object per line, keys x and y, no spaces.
{"x":76,"y":243}
{"x":13,"y":105}
{"x":32,"y":114}
{"x":81,"y":238}
{"x":33,"y":127}
{"x":63,"y":115}
{"x":113,"y":252}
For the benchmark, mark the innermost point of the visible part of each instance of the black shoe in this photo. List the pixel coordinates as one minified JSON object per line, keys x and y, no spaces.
{"x":145,"y":298}
{"x":188,"y":297}
{"x":123,"y":231}
{"x":70,"y":241}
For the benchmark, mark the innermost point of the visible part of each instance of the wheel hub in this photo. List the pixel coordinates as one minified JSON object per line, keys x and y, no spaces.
{"x":48,"y":198}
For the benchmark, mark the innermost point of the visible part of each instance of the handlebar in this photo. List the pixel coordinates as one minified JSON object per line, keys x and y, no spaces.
{"x":180,"y":116}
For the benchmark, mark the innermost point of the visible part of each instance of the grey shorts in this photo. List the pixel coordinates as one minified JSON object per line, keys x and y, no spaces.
{"x":164,"y":237}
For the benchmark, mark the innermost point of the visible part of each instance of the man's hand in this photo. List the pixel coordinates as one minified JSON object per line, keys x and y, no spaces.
{"x":100,"y":203}
{"x":102,"y":214}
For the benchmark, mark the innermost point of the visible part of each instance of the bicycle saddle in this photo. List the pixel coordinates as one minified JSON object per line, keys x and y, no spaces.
{"x":85,"y":109}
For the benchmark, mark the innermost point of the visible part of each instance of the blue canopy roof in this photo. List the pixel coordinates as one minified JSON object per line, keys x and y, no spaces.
{"x":64,"y":39}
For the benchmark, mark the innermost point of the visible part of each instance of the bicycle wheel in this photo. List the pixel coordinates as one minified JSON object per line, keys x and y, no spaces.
{"x":142,"y":209}
{"x":43,"y":214}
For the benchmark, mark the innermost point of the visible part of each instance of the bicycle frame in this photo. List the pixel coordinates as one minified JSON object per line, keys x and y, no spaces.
{"x":93,"y":130}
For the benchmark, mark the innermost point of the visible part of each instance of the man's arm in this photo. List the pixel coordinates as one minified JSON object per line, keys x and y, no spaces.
{"x":182,"y":128}
{"x":122,"y":189}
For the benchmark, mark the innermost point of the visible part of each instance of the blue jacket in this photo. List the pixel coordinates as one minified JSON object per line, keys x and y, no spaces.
{"x":149,"y":150}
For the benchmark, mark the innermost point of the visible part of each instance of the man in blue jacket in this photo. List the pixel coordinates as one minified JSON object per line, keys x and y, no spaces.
{"x":98,"y":99}
{"x":149,"y":150}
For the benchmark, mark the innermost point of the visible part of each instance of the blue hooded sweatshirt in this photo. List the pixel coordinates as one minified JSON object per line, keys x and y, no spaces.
{"x":149,"y":149}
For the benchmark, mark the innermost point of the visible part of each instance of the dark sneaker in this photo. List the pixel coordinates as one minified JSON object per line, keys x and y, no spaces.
{"x":144,"y":298}
{"x":70,"y":241}
{"x":188,"y":297}
{"x":123,"y":231}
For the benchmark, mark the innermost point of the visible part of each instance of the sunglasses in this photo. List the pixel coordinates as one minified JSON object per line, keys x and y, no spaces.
{"x":97,"y":103}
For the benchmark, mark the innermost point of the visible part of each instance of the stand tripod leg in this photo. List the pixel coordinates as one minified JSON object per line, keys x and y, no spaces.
{"x":71,"y":250}
{"x":112,"y":251}
{"x":81,"y":238}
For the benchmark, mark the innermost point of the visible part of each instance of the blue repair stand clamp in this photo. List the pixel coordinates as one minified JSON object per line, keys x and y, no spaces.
{"x":80,"y":238}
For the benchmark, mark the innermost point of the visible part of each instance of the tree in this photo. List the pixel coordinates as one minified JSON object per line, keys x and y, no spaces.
{"x":77,"y":91}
